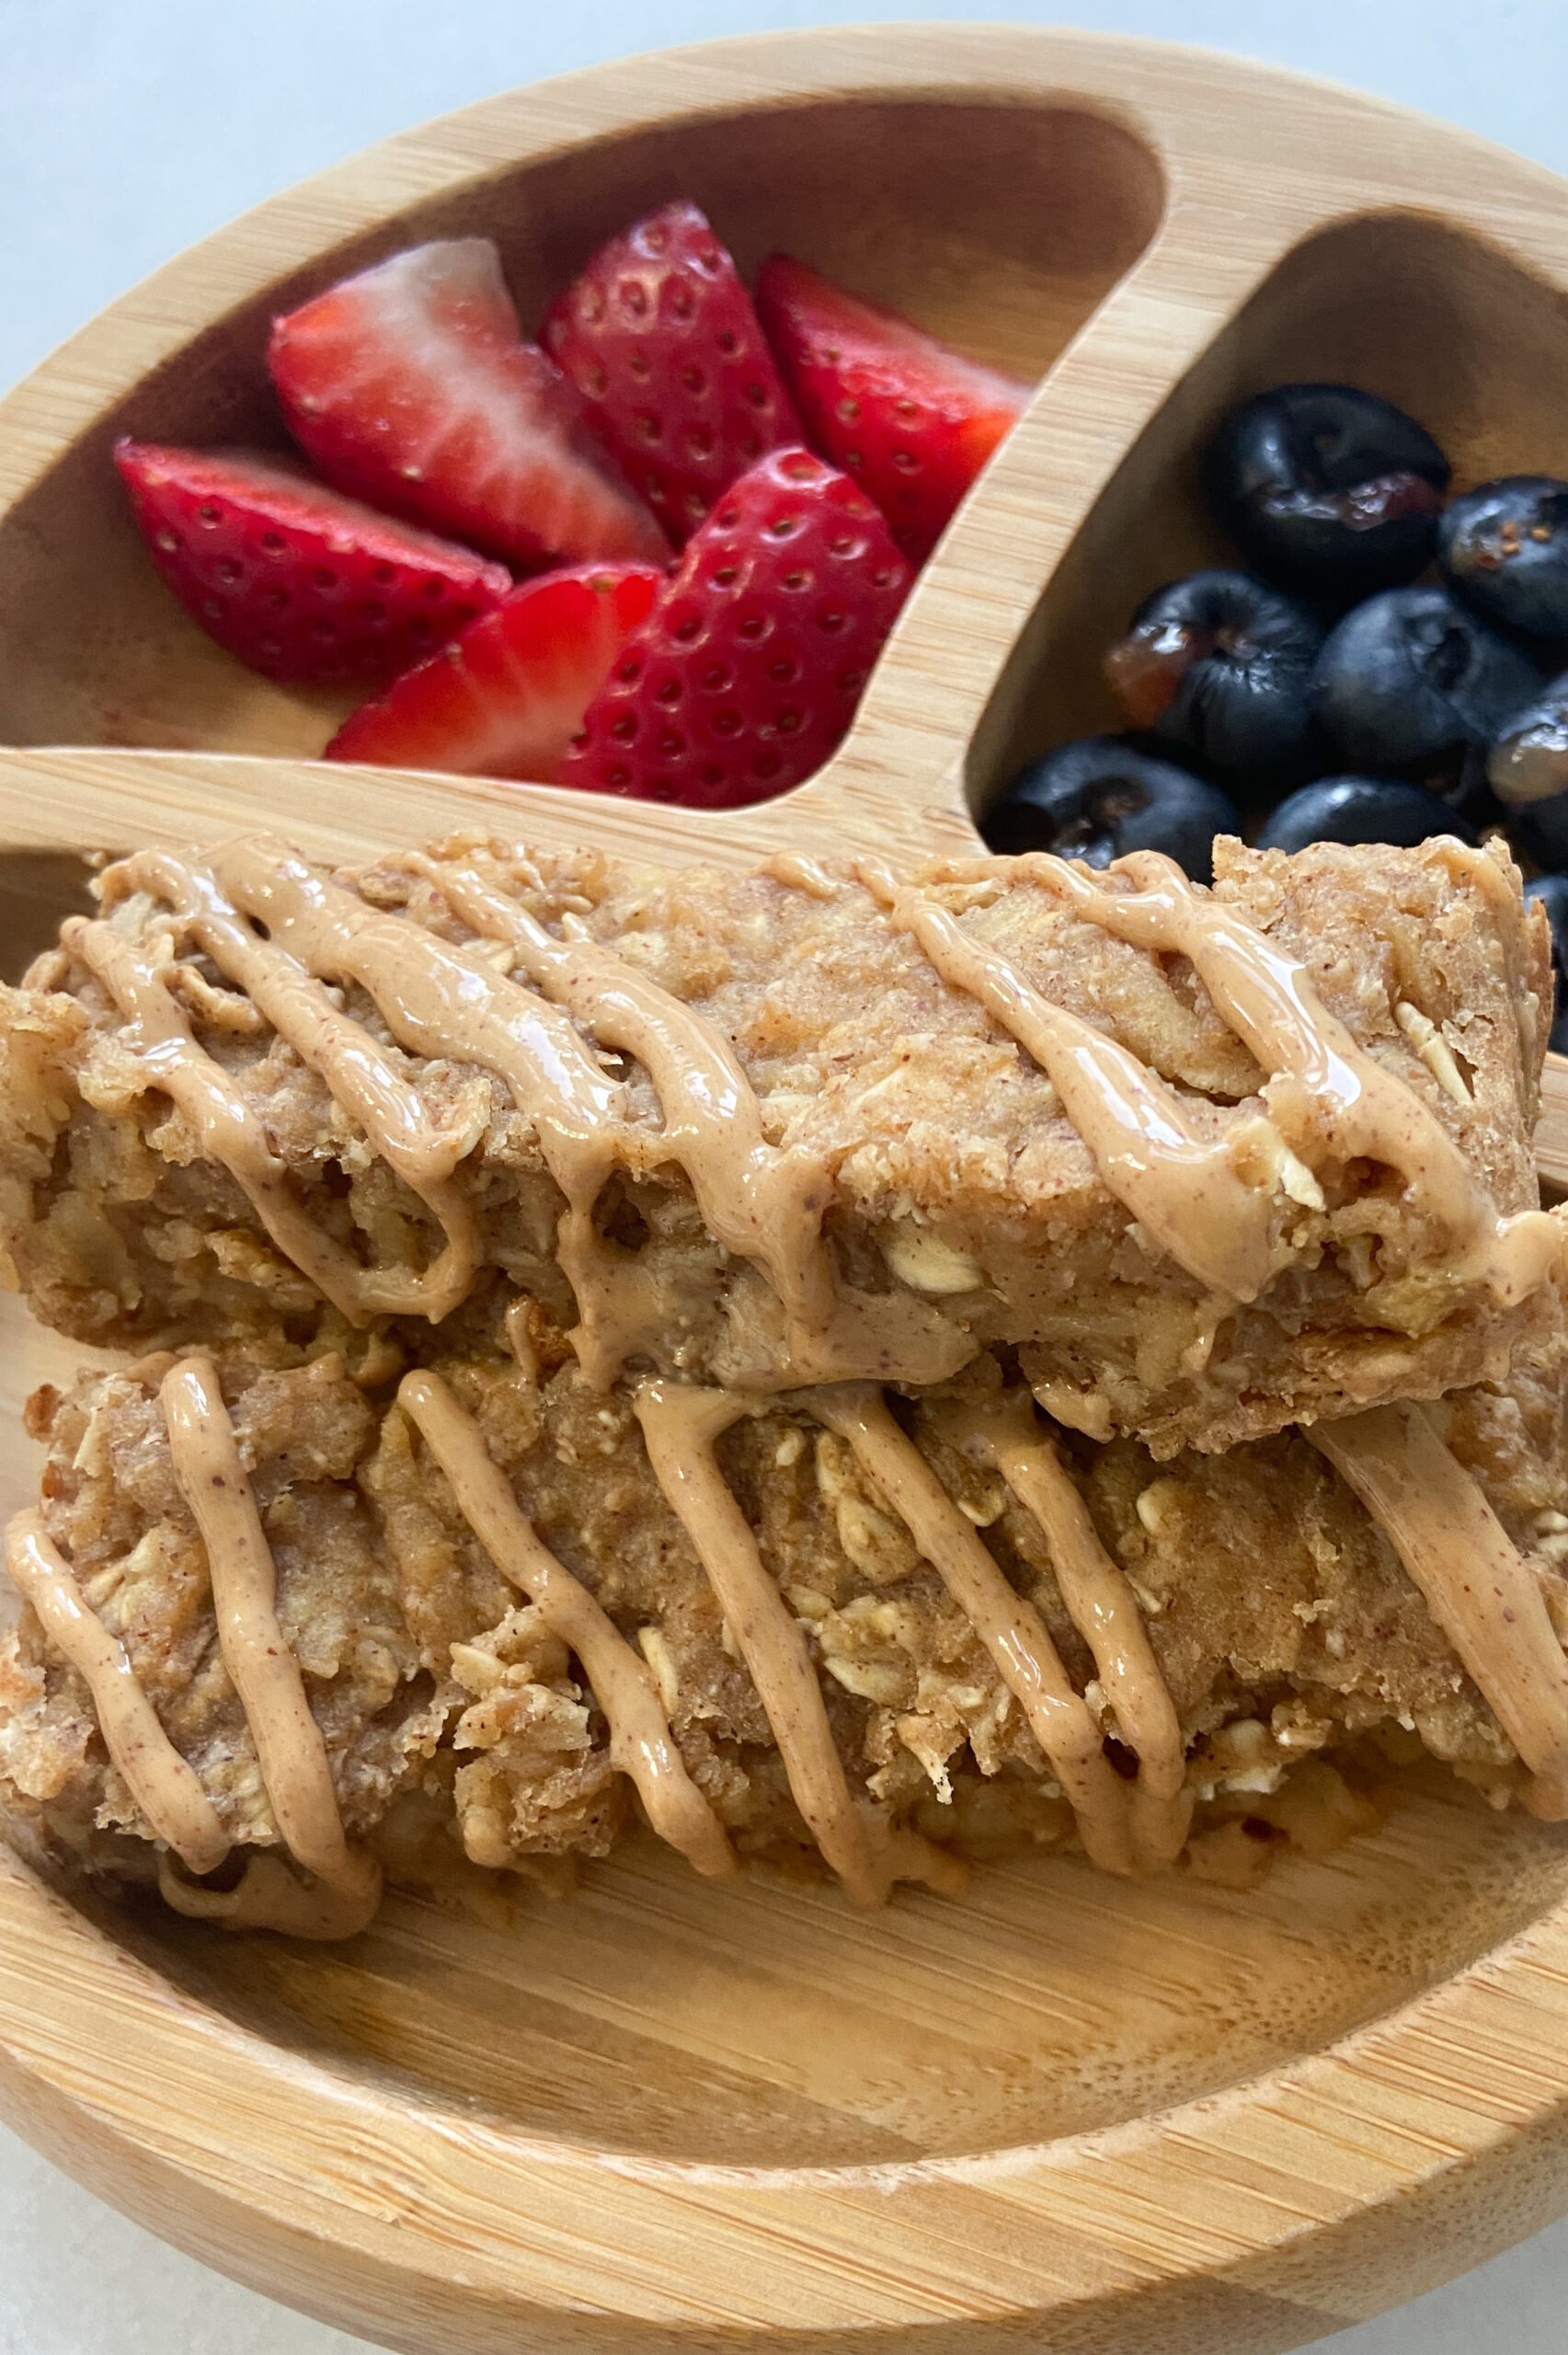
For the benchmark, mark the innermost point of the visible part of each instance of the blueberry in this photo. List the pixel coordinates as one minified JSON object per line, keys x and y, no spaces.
{"x":1410,"y":678}
{"x":1469,"y":790}
{"x":1223,"y":665}
{"x":1360,"y":810}
{"x":1505,"y":547}
{"x":1551,"y":890}
{"x":1528,"y":761}
{"x":1100,"y":798}
{"x":1330,"y":490}
{"x":1539,"y":833}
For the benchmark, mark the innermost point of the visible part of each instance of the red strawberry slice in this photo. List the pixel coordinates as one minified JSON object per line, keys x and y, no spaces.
{"x":304,"y":585}
{"x":746,"y":673}
{"x":507,"y":697}
{"x":912,"y":420}
{"x":659,"y":336}
{"x":411,"y":387}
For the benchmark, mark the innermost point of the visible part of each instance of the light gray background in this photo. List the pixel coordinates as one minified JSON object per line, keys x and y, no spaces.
{"x":129,"y":128}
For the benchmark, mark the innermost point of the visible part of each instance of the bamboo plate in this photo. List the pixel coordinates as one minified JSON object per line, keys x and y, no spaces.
{"x":1072,"y":2114}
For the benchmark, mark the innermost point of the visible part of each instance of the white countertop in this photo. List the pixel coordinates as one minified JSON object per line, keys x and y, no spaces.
{"x":128,"y":128}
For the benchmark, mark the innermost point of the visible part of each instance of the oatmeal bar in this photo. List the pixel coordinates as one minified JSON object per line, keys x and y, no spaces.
{"x":927,"y":1630}
{"x":1211,"y":1164}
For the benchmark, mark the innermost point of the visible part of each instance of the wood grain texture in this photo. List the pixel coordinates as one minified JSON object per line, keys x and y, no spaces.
{"x":1071,"y":2115}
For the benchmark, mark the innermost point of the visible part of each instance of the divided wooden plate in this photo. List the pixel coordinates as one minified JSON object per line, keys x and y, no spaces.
{"x":1070,"y":2115}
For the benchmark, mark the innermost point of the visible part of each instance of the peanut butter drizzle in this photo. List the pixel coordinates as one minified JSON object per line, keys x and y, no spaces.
{"x":1103,"y":1607}
{"x":799,"y":873}
{"x":641,"y":1745}
{"x":763,"y":1204}
{"x":447,"y":1002}
{"x":269,"y":1896}
{"x":362,"y":1078}
{"x":1011,"y":1629}
{"x":1480,"y":1589}
{"x":1324,"y":1090}
{"x":1183,"y":1187}
{"x":266,"y":1675}
{"x":168,"y":1058}
{"x":443,"y":1001}
{"x":165,"y":1787}
{"x":681,"y":1427}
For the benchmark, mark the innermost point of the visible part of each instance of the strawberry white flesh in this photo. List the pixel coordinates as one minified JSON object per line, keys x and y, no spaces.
{"x":410,"y":385}
{"x":507,"y":697}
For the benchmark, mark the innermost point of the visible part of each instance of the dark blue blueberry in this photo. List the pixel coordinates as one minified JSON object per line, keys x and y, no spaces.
{"x":1331,"y":491}
{"x":1468,"y":790}
{"x":1100,"y":798}
{"x":1221,"y":665}
{"x":1410,"y":678}
{"x":1539,"y":833}
{"x":1528,"y":761}
{"x":1505,"y":547}
{"x":1551,"y":890}
{"x":1360,"y":810}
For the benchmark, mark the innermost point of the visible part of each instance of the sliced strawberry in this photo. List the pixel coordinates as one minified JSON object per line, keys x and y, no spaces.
{"x":411,"y":387}
{"x":304,"y":585}
{"x":507,"y":697}
{"x":746,"y":673}
{"x":659,"y":336}
{"x":912,"y":420}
